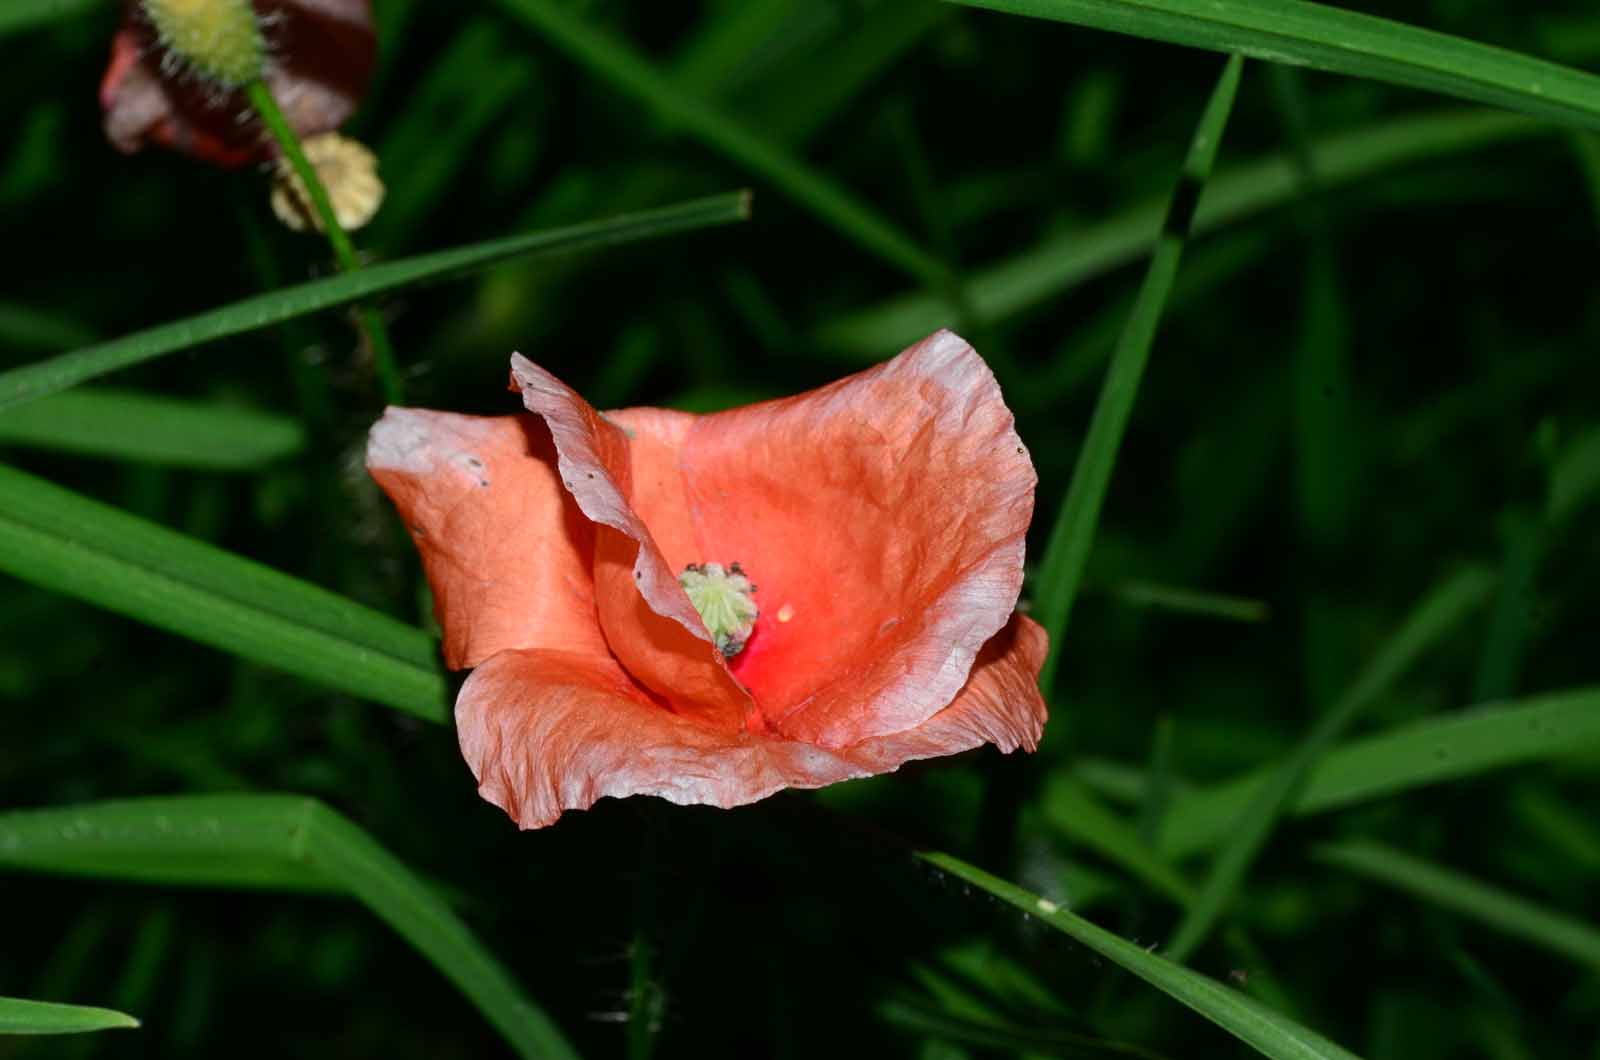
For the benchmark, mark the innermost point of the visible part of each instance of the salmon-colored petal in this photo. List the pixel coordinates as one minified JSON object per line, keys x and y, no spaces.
{"x":1000,"y":703}
{"x":652,"y":628}
{"x":548,"y":731}
{"x":506,"y":550}
{"x":882,"y":518}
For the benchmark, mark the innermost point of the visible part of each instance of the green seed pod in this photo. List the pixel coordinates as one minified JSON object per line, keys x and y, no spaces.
{"x":219,"y":39}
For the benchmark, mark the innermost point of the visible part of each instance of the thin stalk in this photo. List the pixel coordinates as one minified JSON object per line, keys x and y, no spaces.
{"x":344,"y":252}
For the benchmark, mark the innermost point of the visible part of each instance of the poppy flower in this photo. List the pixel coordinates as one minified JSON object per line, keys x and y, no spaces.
{"x":712,"y":608}
{"x":316,"y":57}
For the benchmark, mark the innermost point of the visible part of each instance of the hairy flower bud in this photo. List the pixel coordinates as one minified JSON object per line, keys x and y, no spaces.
{"x":218,"y":39}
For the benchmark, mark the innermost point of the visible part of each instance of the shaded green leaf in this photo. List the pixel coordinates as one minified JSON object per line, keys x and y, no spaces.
{"x":1341,"y":41}
{"x":44,"y":1017}
{"x":1468,"y":744}
{"x":1064,"y":260}
{"x":68,"y":543}
{"x":633,"y":73}
{"x":1512,"y":914}
{"x":18,"y":15}
{"x":1440,"y":612}
{"x":1245,"y":1018}
{"x":262,"y":311}
{"x":275,"y":841}
{"x":1079,"y":517}
{"x":128,"y":425}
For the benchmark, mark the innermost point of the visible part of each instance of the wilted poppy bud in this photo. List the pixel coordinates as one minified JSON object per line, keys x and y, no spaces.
{"x":178,"y":68}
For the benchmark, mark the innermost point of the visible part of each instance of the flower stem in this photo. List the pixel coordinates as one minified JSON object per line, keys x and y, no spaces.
{"x":344,"y":251}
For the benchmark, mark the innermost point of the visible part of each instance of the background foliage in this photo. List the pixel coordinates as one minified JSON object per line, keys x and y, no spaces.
{"x":1355,"y":502}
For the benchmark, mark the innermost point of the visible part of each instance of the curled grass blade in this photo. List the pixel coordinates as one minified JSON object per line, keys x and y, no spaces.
{"x":127,"y":425}
{"x":262,"y":311}
{"x":1068,"y":550}
{"x":275,"y":842}
{"x":1248,"y":1020}
{"x":67,"y":543}
{"x":632,"y":73}
{"x":45,"y":1017}
{"x":1340,"y":41}
{"x":1499,"y":909}
{"x":1463,"y":745}
{"x":1065,"y":260}
{"x":1438,"y":614}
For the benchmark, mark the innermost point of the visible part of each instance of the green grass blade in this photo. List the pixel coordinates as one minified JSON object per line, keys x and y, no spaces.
{"x":1341,"y":41}
{"x":262,"y":311}
{"x":25,"y":328}
{"x":925,"y":1020}
{"x":472,"y":83}
{"x":1438,"y":614}
{"x":1065,"y":260}
{"x":1575,"y":478}
{"x":1073,"y":811}
{"x":1464,"y":745}
{"x":1248,"y":1020}
{"x":127,"y":425}
{"x":275,"y":841}
{"x":18,"y":15}
{"x":1157,"y":596}
{"x":43,"y":1017}
{"x":70,"y":544}
{"x":1074,"y":530}
{"x":1512,"y":914}
{"x":796,"y":105}
{"x":725,"y":43}
{"x":632,"y":73}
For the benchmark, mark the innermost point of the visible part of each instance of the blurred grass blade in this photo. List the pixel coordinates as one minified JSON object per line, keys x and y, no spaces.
{"x":1512,"y":914}
{"x":1248,"y":1020}
{"x":1341,"y":41}
{"x":1068,"y":550}
{"x":128,"y":425}
{"x":274,"y":841}
{"x":25,"y":328}
{"x":632,"y":73}
{"x":795,"y":105}
{"x":1065,"y":260}
{"x":1462,"y":745}
{"x":70,"y":544}
{"x":1575,"y":478}
{"x":1075,"y":812}
{"x":925,"y":1020}
{"x":17,"y":15}
{"x":43,"y":1017}
{"x":1436,"y":616}
{"x":262,"y":311}
{"x":1157,"y":596}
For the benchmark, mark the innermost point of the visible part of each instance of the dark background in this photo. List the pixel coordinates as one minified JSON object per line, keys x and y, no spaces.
{"x":1355,"y":392}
